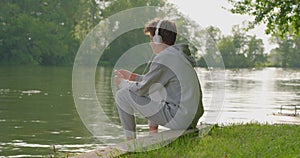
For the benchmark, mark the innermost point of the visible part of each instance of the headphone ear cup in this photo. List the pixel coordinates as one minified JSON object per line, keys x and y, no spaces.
{"x":157,"y":39}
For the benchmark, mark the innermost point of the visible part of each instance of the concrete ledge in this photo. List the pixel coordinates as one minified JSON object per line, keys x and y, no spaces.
{"x":150,"y":142}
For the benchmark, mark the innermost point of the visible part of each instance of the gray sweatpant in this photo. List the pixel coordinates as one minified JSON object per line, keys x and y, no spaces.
{"x":157,"y":113}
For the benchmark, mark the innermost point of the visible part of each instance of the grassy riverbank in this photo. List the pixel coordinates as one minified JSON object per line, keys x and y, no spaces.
{"x":250,"y":140}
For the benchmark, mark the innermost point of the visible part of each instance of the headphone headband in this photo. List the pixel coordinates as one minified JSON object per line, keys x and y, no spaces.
{"x":157,"y":38}
{"x":157,"y":27}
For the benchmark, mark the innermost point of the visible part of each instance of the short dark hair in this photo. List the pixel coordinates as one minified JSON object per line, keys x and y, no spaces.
{"x":167,"y":30}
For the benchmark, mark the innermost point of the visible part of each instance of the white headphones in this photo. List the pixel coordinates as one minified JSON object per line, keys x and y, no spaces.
{"x":157,"y":38}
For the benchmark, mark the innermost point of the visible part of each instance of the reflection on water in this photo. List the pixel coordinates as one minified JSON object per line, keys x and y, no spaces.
{"x":256,"y":95}
{"x":37,"y":109}
{"x":37,"y":112}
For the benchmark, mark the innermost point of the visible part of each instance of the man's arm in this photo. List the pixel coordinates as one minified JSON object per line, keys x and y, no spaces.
{"x":158,"y":74}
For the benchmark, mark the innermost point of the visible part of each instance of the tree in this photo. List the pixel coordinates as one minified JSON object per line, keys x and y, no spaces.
{"x":121,"y":44}
{"x":287,"y":54}
{"x":42,"y":32}
{"x":86,"y":17}
{"x":255,"y":52}
{"x":119,"y":5}
{"x":280,"y":16}
{"x":240,"y":50}
{"x":212,"y":35}
{"x":228,"y":50}
{"x":116,"y":48}
{"x":239,"y":39}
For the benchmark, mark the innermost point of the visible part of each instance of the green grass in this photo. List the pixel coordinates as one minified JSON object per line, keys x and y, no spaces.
{"x":249,"y":140}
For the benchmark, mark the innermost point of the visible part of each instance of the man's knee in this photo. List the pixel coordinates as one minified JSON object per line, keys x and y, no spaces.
{"x":121,"y":95}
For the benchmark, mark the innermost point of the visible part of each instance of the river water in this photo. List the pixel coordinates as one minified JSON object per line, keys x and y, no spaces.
{"x":37,"y":110}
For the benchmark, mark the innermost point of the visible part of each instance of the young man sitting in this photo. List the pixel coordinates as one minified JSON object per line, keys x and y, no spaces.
{"x":169,"y":94}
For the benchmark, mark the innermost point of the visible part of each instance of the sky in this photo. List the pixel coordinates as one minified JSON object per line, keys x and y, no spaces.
{"x":210,"y":13}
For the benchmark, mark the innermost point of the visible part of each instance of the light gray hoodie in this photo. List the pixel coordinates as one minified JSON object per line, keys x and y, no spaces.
{"x":173,"y":81}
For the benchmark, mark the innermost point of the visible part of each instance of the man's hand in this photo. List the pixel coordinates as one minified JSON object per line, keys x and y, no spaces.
{"x":153,"y":129}
{"x":118,"y":77}
{"x":126,"y":74}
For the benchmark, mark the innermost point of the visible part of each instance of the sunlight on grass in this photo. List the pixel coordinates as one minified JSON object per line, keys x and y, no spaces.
{"x":249,"y":140}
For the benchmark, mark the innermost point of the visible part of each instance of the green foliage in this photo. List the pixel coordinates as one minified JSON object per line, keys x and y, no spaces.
{"x":212,"y":36}
{"x":287,"y":54}
{"x":49,"y":32}
{"x":120,"y":45}
{"x":236,"y":51}
{"x":39,"y":31}
{"x":283,"y":22}
{"x":137,"y":36}
{"x":280,"y":16}
{"x":118,"y":5}
{"x":86,"y":17}
{"x":127,"y":40}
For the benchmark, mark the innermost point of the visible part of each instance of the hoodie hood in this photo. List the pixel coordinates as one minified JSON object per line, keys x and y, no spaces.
{"x":186,"y":52}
